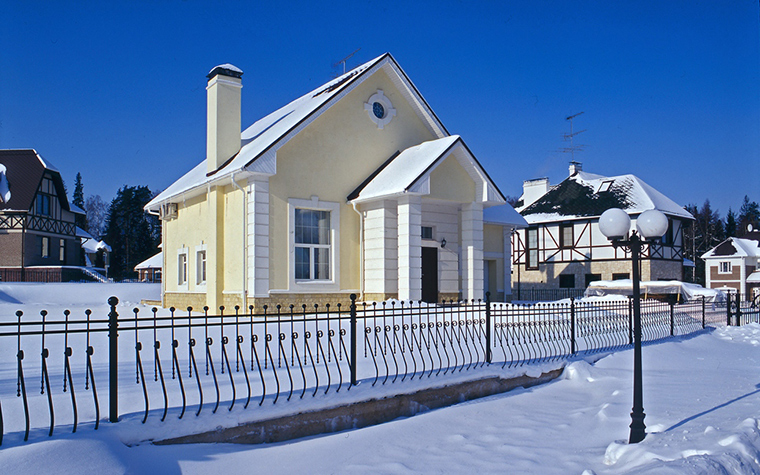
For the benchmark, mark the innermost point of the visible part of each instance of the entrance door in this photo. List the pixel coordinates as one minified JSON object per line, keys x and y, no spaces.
{"x":430,"y":274}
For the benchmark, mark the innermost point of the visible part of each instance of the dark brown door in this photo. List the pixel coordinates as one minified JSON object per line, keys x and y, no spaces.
{"x":430,"y":274}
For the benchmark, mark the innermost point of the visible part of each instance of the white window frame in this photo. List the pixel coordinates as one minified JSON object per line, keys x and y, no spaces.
{"x":201,"y":267}
{"x":328,"y":285}
{"x":182,"y":252}
{"x":45,"y":244}
{"x":722,"y":265}
{"x":62,"y":250}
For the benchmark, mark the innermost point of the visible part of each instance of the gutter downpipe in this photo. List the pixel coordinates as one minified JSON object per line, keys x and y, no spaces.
{"x":361,"y":250}
{"x":245,"y":243}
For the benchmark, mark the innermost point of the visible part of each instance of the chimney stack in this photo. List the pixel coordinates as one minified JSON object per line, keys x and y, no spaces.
{"x":533,"y":190}
{"x":223,"y":116}
{"x":575,"y":167}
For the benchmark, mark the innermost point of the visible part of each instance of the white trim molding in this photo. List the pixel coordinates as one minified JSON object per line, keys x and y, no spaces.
{"x":310,"y":286}
{"x":381,"y":114}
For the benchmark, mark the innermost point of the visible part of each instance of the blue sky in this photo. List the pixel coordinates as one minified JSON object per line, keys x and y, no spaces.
{"x":670,"y":90}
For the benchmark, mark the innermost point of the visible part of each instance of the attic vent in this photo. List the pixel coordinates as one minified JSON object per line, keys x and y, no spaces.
{"x":168,"y":211}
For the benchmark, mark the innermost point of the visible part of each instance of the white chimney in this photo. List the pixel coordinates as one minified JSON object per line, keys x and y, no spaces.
{"x":223,"y":119}
{"x":533,"y":190}
{"x":575,"y":167}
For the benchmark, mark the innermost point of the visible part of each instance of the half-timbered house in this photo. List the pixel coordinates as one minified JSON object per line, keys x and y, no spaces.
{"x":562,"y":246}
{"x":38,"y":237}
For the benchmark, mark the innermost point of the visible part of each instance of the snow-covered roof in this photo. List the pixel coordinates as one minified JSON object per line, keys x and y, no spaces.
{"x":584,"y":195}
{"x":263,"y":137}
{"x":754,"y":278}
{"x":504,"y":214}
{"x":688,"y":291}
{"x":155,"y":262}
{"x":735,"y":247}
{"x":19,"y":182}
{"x":406,"y":172}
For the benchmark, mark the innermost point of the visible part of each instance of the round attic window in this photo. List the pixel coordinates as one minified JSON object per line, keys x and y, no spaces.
{"x":380,"y":109}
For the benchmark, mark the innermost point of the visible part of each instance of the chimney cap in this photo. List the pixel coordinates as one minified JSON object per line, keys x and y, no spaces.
{"x":226,"y":69}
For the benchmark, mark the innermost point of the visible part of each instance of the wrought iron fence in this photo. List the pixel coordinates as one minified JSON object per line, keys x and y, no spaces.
{"x":201,"y":361}
{"x":533,"y":294}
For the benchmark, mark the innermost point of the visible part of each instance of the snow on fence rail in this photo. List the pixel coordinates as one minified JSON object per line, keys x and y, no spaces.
{"x":194,"y":362}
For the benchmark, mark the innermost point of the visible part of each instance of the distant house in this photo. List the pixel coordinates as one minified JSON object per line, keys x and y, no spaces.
{"x":562,"y":246}
{"x":150,"y":270}
{"x":96,"y":253}
{"x":38,"y":238}
{"x":735,"y":264}
{"x":355,"y":187}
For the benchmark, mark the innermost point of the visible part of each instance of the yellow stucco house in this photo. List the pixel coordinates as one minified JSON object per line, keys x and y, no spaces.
{"x":355,"y":187}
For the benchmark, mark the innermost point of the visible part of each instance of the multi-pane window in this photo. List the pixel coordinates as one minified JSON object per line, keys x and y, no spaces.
{"x":182,"y":268}
{"x":312,"y":244}
{"x":200,"y":267}
{"x":531,"y":248}
{"x":43,"y":205}
{"x":45,"y":244}
{"x":724,"y":267}
{"x":427,"y":232}
{"x":566,"y":236}
{"x":621,"y":276}
{"x":62,"y":250}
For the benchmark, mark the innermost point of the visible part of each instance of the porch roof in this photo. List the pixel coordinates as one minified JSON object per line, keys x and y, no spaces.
{"x":408,"y":172}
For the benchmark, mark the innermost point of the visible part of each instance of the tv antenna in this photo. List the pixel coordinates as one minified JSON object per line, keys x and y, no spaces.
{"x":343,"y":61}
{"x":569,"y":138}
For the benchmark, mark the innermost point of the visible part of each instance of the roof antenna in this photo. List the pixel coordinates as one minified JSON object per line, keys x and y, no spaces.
{"x":569,"y":138}
{"x":343,"y":61}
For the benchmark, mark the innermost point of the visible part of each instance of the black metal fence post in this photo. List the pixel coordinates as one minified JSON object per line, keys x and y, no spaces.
{"x":488,"y":327}
{"x":113,"y":361}
{"x":703,"y":312}
{"x":353,"y":340}
{"x":738,"y":309}
{"x":572,"y":327}
{"x":728,"y":309}
{"x":672,"y":304}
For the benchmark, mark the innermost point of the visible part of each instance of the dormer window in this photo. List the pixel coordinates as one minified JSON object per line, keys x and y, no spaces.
{"x":605,"y":186}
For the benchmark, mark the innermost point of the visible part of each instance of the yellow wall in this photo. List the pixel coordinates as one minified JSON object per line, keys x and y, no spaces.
{"x":329,"y":159}
{"x":449,"y":181}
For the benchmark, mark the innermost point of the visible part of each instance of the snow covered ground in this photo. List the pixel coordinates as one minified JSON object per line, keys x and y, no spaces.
{"x":701,"y":396}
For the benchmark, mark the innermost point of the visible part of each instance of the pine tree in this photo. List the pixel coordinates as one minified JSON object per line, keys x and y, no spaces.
{"x":707,"y":232}
{"x":130,"y":231}
{"x":78,"y":200}
{"x":749,"y":214}
{"x":730,"y":223}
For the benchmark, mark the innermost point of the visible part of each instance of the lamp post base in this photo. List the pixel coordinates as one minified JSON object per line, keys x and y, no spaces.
{"x":638,"y":429}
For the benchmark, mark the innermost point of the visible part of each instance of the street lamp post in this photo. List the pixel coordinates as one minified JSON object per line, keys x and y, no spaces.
{"x":652,"y":224}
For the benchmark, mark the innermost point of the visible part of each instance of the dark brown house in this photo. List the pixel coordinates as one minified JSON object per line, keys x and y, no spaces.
{"x":38,"y":240}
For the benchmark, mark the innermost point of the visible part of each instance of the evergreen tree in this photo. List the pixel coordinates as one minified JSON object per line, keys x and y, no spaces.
{"x":730,"y":223}
{"x":130,"y":231}
{"x":707,"y":232}
{"x":749,"y":214}
{"x":78,"y":200}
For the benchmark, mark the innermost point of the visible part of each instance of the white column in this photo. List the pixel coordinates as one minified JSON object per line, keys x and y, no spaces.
{"x":380,"y":248}
{"x":472,"y":251}
{"x":258,"y":236}
{"x":410,"y":248}
{"x":507,"y":261}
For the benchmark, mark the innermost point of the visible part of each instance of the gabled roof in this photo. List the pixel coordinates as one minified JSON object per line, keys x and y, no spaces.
{"x":407,"y":171}
{"x":260,"y":140}
{"x":24,"y":170}
{"x":155,"y":262}
{"x":588,"y":195}
{"x":749,"y":246}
